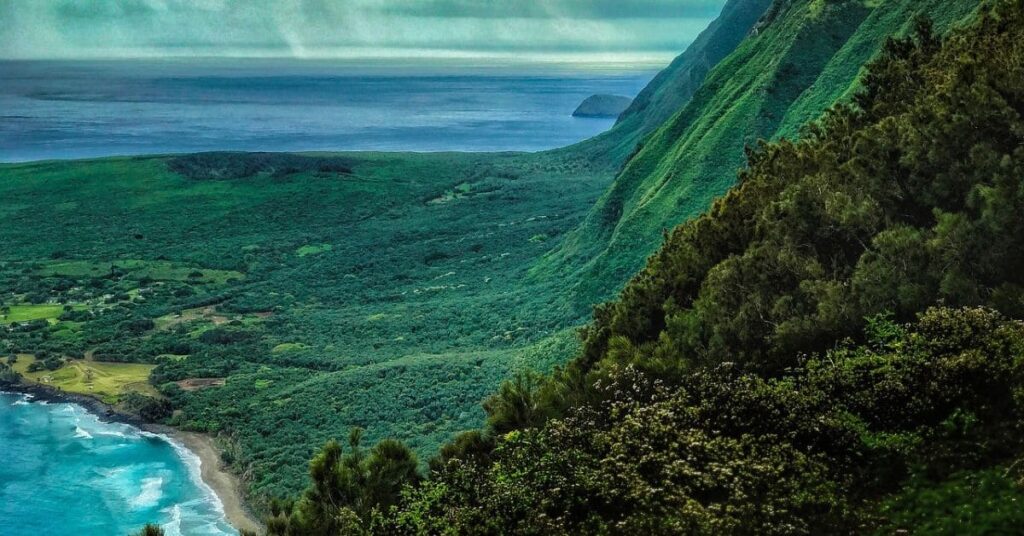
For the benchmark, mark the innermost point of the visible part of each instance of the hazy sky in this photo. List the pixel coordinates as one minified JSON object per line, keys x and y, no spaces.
{"x":584,"y":30}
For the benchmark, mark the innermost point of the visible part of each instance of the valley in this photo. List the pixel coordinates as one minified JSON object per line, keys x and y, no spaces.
{"x":383,"y":291}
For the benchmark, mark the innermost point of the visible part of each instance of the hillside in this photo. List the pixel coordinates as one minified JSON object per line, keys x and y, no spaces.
{"x":834,"y":347}
{"x":287,"y":298}
{"x":673,"y":87}
{"x":803,"y":57}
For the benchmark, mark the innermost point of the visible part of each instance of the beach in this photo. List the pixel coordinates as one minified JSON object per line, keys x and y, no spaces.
{"x":225,"y":485}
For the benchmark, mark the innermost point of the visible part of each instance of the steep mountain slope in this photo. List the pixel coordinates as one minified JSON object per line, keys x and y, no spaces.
{"x":802,"y":57}
{"x":673,"y":87}
{"x":835,"y":347}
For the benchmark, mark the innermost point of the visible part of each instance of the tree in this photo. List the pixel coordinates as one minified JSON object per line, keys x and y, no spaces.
{"x":516,"y":405}
{"x":347,"y":489}
{"x":150,"y":530}
{"x":826,"y":351}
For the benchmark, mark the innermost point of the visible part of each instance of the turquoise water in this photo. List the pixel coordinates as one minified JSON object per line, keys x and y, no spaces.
{"x":65,"y":472}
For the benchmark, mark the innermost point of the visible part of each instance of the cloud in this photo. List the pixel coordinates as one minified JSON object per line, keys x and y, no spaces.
{"x":346,"y":28}
{"x":576,"y":9}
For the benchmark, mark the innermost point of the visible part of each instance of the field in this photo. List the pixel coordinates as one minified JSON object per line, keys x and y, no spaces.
{"x":26,"y":313}
{"x":105,"y":381}
{"x":293,"y":296}
{"x":155,"y":270}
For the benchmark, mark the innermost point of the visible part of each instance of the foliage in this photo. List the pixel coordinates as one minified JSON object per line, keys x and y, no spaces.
{"x":385,"y":291}
{"x":151,"y":409}
{"x":348,"y":488}
{"x":727,"y":452}
{"x":760,"y":375}
{"x":150,"y":530}
{"x":732,"y":389}
{"x":975,"y":503}
{"x":909,"y":197}
{"x":7,"y":374}
{"x":222,"y":166}
{"x":50,"y":363}
{"x":516,"y":404}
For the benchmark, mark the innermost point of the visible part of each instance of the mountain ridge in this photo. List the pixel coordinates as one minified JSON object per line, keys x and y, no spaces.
{"x":673,"y":86}
{"x":803,"y":56}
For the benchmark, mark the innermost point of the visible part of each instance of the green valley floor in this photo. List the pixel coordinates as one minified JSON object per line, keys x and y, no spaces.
{"x":287,"y":298}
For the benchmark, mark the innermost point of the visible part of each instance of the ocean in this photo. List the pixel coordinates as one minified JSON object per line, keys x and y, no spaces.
{"x":61,"y":109}
{"x":65,"y":472}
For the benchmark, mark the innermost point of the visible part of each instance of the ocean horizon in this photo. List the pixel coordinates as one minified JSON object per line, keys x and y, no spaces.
{"x":87,"y":109}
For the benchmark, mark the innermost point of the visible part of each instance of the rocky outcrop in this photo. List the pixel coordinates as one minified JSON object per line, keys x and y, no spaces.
{"x":603,"y":106}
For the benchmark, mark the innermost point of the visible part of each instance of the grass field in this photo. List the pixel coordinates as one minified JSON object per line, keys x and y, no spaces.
{"x":27,"y":313}
{"x":313,"y":249}
{"x":156,"y":270}
{"x":105,"y":381}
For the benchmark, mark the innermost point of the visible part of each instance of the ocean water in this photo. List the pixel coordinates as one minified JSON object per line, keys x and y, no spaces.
{"x":59,"y":109}
{"x":64,"y":472}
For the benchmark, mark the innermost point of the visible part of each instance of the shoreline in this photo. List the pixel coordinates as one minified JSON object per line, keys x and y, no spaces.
{"x":225,"y":485}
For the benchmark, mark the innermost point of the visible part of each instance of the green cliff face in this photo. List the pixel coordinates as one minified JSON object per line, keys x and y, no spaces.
{"x":675,"y":85}
{"x":801,"y":58}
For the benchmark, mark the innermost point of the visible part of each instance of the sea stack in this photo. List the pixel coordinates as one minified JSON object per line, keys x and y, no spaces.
{"x":602,"y":106}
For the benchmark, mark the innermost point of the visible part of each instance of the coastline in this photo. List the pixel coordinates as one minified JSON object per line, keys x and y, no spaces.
{"x":224,"y":484}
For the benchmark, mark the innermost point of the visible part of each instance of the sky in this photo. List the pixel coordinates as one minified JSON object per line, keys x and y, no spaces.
{"x":559,"y":30}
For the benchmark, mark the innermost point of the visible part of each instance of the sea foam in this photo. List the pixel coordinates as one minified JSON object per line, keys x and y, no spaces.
{"x":152,"y":492}
{"x":130,"y":478}
{"x":173,"y":527}
{"x":194,"y":464}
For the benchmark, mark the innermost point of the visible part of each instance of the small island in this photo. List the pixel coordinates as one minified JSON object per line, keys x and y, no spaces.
{"x":602,"y":106}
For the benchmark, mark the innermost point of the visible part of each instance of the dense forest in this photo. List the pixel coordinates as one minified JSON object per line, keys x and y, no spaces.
{"x":798,"y":59}
{"x":833,"y":347}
